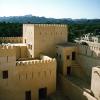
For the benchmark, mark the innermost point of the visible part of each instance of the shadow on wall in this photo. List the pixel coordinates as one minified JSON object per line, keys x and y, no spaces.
{"x":72,"y":91}
{"x":88,"y":57}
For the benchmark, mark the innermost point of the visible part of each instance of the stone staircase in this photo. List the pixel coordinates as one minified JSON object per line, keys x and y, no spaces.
{"x":78,"y":71}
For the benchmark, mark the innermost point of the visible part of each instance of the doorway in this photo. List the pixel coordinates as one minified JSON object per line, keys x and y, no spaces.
{"x":42,"y":93}
{"x":69,"y":71}
{"x":73,"y":55}
{"x":28,"y":95}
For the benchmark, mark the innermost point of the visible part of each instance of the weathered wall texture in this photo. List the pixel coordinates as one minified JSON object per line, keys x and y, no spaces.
{"x":88,"y":57}
{"x":72,"y":91}
{"x":28,"y":76}
{"x":64,"y":57}
{"x":11,"y":39}
{"x":44,"y":37}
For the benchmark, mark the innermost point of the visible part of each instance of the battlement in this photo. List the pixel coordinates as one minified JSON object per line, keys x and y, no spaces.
{"x":93,"y":51}
{"x":33,"y":62}
{"x":47,"y":25}
{"x":6,"y":47}
{"x":11,"y":39}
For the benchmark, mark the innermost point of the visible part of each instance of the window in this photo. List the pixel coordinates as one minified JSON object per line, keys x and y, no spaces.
{"x":5,"y":74}
{"x":73,"y":55}
{"x":68,"y":57}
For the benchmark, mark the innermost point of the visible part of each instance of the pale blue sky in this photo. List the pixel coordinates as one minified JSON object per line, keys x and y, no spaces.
{"x":51,"y":8}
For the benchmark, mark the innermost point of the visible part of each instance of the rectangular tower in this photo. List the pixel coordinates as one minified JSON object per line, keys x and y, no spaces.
{"x":42,"y":38}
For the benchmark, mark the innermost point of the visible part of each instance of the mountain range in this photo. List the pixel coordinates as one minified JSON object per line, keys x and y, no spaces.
{"x":36,"y":19}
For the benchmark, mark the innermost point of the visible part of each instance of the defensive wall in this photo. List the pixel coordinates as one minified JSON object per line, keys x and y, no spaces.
{"x":11,"y":50}
{"x":67,"y":63}
{"x":30,"y":75}
{"x":88,"y":57}
{"x":72,"y":91}
{"x":43,"y":38}
{"x":11,"y":39}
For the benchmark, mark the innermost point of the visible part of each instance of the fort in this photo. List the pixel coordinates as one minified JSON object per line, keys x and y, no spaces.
{"x":34,"y":66}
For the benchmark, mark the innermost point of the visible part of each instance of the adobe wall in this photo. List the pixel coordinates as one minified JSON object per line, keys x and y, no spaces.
{"x":28,"y":76}
{"x":7,"y":56}
{"x":44,"y":37}
{"x":47,"y":36}
{"x":72,"y":91}
{"x":28,"y":38}
{"x":88,"y":57}
{"x":64,"y":58}
{"x":21,"y":52}
{"x":11,"y":52}
{"x":11,"y":39}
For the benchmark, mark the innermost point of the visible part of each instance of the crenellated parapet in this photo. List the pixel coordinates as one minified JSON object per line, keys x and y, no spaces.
{"x":92,"y":50}
{"x":6,"y":47}
{"x":35,"y":62}
{"x":11,"y":39}
{"x":7,"y":50}
{"x":47,"y":25}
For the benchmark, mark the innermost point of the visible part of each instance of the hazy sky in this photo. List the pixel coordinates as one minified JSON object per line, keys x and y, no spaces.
{"x":51,"y":8}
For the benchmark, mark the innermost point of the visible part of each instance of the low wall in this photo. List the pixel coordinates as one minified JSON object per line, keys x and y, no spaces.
{"x":7,"y":51}
{"x":91,"y":50}
{"x":87,"y":62}
{"x":11,"y":39}
{"x":72,"y":91}
{"x":31,"y":76}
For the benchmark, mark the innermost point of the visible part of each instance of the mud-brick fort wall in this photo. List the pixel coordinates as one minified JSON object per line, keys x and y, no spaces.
{"x":28,"y":76}
{"x":8,"y":53}
{"x":21,"y":52}
{"x":11,"y":39}
{"x":42,"y":38}
{"x":88,"y":57}
{"x":7,"y":56}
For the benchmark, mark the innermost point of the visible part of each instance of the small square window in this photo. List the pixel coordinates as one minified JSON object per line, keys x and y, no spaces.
{"x":5,"y":74}
{"x":68,"y":57}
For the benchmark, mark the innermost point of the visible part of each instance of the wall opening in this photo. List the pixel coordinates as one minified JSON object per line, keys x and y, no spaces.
{"x":42,"y":93}
{"x":73,"y":55}
{"x":67,"y":57}
{"x":5,"y":74}
{"x":28,"y":95}
{"x":69,"y":71}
